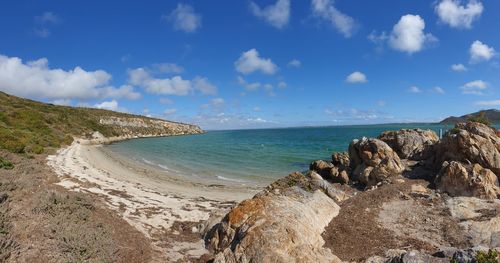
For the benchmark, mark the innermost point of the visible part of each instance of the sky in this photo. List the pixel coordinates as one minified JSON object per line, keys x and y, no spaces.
{"x":256,"y":64}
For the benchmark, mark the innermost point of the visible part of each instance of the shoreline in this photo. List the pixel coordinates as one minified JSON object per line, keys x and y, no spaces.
{"x":151,"y":201}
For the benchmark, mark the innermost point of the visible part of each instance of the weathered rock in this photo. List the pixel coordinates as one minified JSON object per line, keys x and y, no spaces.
{"x":329,"y":171}
{"x":402,"y":256}
{"x":471,"y":143}
{"x":373,"y":161}
{"x":330,"y":190}
{"x":275,"y":228}
{"x":341,"y":159}
{"x":479,"y":219}
{"x":321,"y":167}
{"x":458,"y":179}
{"x":413,"y":144}
{"x":416,"y":257}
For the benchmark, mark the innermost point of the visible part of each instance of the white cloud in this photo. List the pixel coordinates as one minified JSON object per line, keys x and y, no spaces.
{"x":438,"y":90}
{"x":204,"y":86}
{"x":270,"y":90}
{"x":458,"y":68}
{"x":488,"y":103}
{"x":169,"y":111}
{"x":248,"y":86}
{"x":62,"y":102}
{"x":47,"y":18}
{"x":408,"y":35}
{"x":184,"y":18}
{"x":166,"y":68}
{"x":357,"y":115}
{"x":250,"y":61}
{"x":277,"y":15}
{"x":221,"y":120}
{"x":108,"y":105}
{"x":166,"y":101}
{"x":414,"y":89}
{"x":356,"y":77}
{"x":125,"y":58}
{"x":282,"y":85}
{"x":480,"y":52}
{"x":381,"y":103}
{"x":35,"y":79}
{"x":176,"y":85}
{"x":453,"y":13}
{"x":44,"y":21}
{"x":218,"y":101}
{"x":164,"y":86}
{"x":378,"y":38}
{"x":256,"y":109}
{"x":326,"y":10}
{"x":475,"y":87}
{"x":124,"y":91}
{"x":295,"y":63}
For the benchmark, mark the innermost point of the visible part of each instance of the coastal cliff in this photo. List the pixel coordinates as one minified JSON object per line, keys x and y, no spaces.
{"x":28,"y":126}
{"x":405,"y":196}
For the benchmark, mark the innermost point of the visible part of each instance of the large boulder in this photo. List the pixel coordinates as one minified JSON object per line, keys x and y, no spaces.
{"x":322,"y":167}
{"x":329,"y":171}
{"x":468,"y":143}
{"x":458,"y":179}
{"x":373,"y":161}
{"x":413,"y":144}
{"x":341,"y":160}
{"x":279,"y":225}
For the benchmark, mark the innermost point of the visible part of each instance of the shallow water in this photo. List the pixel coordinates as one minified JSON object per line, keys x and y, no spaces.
{"x":249,"y":157}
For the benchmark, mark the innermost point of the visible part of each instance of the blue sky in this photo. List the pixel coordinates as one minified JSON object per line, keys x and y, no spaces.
{"x":251,"y":64}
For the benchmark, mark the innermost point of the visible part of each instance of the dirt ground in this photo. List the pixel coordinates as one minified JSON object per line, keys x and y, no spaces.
{"x":392,"y":217}
{"x":43,"y":222}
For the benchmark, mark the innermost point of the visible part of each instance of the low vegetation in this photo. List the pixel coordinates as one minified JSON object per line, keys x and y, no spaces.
{"x":481,"y":118}
{"x":28,"y":126}
{"x":5,"y":164}
{"x":492,"y":256}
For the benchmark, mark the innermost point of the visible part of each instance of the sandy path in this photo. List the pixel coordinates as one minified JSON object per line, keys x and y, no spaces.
{"x":149,"y":200}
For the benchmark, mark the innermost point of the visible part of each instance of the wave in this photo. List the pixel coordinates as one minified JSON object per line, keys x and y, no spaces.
{"x":231,"y":179}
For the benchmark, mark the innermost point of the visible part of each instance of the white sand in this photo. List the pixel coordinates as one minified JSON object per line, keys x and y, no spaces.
{"x":148,"y":199}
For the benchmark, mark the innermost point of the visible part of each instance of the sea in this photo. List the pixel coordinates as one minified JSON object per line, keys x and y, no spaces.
{"x":249,"y":157}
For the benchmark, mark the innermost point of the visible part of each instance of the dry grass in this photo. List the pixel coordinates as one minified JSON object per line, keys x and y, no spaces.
{"x":42,"y":222}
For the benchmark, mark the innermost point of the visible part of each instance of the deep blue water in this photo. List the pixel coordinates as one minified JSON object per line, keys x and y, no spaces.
{"x":249,"y":156}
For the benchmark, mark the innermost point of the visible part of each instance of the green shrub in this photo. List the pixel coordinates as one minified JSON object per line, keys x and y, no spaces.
{"x":454,"y":130}
{"x":492,"y":256}
{"x":480,"y":118}
{"x":5,"y":164}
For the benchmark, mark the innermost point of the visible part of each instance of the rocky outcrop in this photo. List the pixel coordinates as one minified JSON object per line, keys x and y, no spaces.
{"x":284,"y":222}
{"x":341,"y":160}
{"x":412,"y":144}
{"x":138,"y":127}
{"x":470,"y":143}
{"x":331,"y":172}
{"x":373,"y":161}
{"x":479,"y":219}
{"x":458,"y":179}
{"x":279,"y":225}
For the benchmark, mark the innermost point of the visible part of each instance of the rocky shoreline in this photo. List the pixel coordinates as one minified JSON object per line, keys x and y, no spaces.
{"x":406,"y":196}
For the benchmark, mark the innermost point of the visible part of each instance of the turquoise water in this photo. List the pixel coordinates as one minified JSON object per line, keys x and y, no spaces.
{"x":249,"y":157}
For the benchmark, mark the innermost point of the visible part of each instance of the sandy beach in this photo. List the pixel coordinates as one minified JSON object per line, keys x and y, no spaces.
{"x":158,"y":204}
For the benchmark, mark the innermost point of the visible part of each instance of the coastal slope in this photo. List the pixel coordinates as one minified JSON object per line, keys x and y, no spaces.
{"x":86,"y":206}
{"x":492,"y":115}
{"x":28,"y":126}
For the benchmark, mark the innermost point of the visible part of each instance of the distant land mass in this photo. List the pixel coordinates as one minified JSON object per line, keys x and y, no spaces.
{"x":492,"y":115}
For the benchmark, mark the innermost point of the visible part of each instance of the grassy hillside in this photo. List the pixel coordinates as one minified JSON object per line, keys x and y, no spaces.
{"x":491,"y":115}
{"x":28,"y":126}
